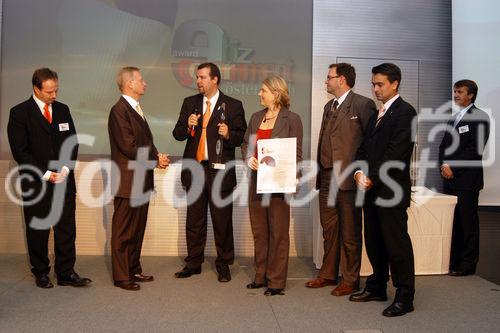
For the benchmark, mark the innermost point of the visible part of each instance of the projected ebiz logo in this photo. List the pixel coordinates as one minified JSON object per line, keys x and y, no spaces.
{"x":198,"y":41}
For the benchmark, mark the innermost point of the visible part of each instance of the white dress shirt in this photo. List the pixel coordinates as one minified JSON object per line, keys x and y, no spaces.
{"x":341,"y":99}
{"x":213,"y":101}
{"x":460,"y":114}
{"x":133,"y":103}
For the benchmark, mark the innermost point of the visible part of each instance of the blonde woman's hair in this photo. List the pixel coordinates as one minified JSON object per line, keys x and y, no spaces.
{"x":277,"y":85}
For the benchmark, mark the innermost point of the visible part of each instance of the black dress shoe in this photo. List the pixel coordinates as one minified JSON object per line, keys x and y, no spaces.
{"x":142,"y":278}
{"x":398,"y":309}
{"x":127,"y":285}
{"x":187,"y":272}
{"x":367,"y":296}
{"x":462,"y":272}
{"x":73,"y":280}
{"x":273,"y":292}
{"x":43,"y":281}
{"x":224,"y":275}
{"x":255,"y":285}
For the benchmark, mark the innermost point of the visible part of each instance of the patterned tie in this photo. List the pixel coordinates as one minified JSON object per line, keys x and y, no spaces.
{"x":335,"y":105}
{"x":200,"y":153}
{"x":139,"y":110}
{"x":381,"y":113}
{"x":46,"y":113}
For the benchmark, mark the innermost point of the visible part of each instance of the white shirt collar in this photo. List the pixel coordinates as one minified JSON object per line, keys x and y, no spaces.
{"x":41,"y":104}
{"x":213,"y":101}
{"x":460,"y":114}
{"x":342,"y":98}
{"x":133,"y":103}
{"x":462,"y":111}
{"x":388,"y":104}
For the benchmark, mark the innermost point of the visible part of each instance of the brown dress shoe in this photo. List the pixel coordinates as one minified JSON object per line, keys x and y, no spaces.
{"x":127,"y":285}
{"x":343,"y":289}
{"x":142,"y":278}
{"x":319,"y":282}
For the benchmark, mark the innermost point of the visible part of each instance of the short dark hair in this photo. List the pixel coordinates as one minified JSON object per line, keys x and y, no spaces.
{"x":392,"y":72}
{"x":347,"y":71}
{"x":214,"y":70}
{"x":470,"y":85}
{"x":41,"y":75}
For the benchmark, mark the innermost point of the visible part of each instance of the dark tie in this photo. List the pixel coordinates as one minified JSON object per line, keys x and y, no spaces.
{"x":335,"y":105}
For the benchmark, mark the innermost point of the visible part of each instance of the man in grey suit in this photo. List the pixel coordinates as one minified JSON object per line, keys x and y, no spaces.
{"x":343,"y":127}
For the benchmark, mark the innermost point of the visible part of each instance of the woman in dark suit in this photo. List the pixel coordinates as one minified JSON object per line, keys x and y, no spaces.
{"x":270,"y":222}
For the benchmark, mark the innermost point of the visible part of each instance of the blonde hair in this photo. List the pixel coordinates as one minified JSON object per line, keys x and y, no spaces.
{"x":125,"y":74}
{"x":277,"y":85}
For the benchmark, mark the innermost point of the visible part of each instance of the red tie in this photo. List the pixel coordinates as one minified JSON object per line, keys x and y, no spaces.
{"x":46,"y":113}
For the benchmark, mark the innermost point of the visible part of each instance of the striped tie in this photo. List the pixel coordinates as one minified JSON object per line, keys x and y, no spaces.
{"x":381,"y":113}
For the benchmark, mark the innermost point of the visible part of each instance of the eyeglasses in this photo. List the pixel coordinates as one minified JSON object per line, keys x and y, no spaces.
{"x":328,"y":77}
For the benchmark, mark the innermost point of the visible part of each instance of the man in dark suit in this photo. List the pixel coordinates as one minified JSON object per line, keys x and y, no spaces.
{"x":38,"y":129}
{"x":135,"y":155}
{"x":462,"y":171}
{"x":387,"y":149}
{"x":201,"y":125}
{"x":343,"y":127}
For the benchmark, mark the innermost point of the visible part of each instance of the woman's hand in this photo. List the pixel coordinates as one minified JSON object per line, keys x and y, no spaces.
{"x":253,"y":163}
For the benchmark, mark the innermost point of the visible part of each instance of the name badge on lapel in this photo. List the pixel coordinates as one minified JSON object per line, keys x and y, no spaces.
{"x":63,"y":127}
{"x":463,"y":129}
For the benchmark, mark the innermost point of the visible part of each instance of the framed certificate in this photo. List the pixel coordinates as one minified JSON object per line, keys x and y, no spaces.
{"x":277,"y":170}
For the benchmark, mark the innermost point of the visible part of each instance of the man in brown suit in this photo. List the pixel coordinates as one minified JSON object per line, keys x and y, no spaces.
{"x":343,"y":126}
{"x":135,"y":155}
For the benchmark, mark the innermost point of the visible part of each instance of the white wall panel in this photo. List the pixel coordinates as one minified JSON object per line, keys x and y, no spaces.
{"x":165,"y":231}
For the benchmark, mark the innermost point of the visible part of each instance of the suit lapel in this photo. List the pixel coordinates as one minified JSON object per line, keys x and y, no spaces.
{"x":281,"y":123}
{"x":217,"y":110}
{"x":327,"y":108}
{"x":344,"y":109}
{"x":387,"y":116}
{"x":131,"y":110}
{"x":258,"y":120}
{"x":57,"y":116}
{"x":137,"y":118}
{"x":198,"y":108}
{"x":465,"y":118}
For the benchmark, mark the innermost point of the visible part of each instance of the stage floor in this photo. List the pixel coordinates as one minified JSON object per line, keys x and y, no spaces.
{"x":201,"y":303}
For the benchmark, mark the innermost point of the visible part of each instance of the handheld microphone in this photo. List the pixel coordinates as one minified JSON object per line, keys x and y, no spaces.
{"x":193,"y":127}
{"x":223,"y":116}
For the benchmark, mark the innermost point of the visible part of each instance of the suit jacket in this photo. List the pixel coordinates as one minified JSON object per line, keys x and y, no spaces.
{"x":392,"y":140}
{"x":235,"y":120}
{"x":287,"y":125}
{"x":475,"y":128}
{"x":35,"y":142}
{"x":346,"y":133}
{"x":127,"y":133}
